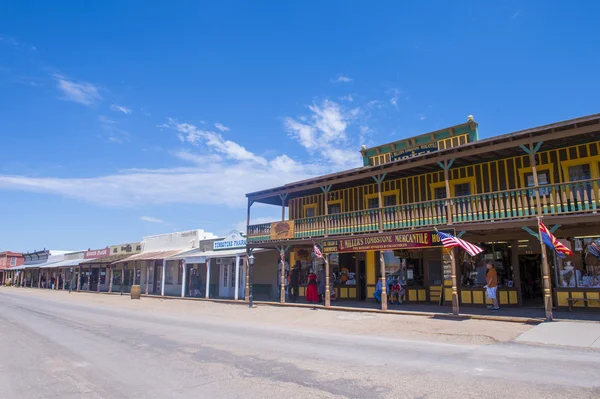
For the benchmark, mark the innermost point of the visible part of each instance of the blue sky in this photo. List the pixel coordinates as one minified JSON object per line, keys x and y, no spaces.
{"x":120,"y":119}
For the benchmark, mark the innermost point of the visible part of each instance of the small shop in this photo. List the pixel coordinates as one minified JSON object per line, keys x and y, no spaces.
{"x":578,"y":276}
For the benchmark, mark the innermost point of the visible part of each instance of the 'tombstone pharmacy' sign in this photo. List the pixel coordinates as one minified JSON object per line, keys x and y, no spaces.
{"x":233,"y":240}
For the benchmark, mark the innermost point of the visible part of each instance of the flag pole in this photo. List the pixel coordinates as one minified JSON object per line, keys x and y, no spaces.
{"x":545,"y":275}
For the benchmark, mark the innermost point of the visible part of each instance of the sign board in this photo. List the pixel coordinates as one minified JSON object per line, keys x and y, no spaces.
{"x":282,"y":230}
{"x":130,"y":249}
{"x":414,"y":151}
{"x":233,"y":240}
{"x":96,"y":253}
{"x":382,"y":242}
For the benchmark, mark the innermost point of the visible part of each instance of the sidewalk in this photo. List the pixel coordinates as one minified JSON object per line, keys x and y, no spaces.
{"x":580,"y":335}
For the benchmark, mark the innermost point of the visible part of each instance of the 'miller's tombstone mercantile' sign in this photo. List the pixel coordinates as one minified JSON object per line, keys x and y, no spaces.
{"x":383,"y":242}
{"x":414,"y":151}
{"x":233,"y":240}
{"x":96,"y":253}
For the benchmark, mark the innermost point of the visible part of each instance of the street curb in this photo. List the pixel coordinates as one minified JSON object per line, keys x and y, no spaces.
{"x":433,"y":315}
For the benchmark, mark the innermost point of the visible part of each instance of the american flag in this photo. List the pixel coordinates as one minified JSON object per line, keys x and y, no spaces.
{"x":552,"y":242}
{"x":449,"y":241}
{"x":317,"y":251}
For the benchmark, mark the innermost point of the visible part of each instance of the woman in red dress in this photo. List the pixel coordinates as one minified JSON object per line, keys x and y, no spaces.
{"x":312,"y":294}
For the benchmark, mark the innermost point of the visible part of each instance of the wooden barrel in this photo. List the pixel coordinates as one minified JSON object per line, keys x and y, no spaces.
{"x":136,"y":292}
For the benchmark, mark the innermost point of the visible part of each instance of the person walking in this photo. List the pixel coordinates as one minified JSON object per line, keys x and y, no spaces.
{"x":491,"y":287}
{"x":312,"y":295}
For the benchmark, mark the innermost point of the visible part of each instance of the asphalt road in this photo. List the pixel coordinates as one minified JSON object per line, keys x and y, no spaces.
{"x":51,"y":349}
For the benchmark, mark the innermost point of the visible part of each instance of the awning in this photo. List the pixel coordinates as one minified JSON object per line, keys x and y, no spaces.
{"x":105,"y":261}
{"x":157,"y":255}
{"x":64,"y":263}
{"x":198,"y":256}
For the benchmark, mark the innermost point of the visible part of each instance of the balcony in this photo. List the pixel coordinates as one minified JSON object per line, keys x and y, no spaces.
{"x":577,"y":198}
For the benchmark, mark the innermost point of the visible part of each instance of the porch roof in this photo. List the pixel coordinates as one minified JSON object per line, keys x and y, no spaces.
{"x":198,"y":256}
{"x":156,"y":255}
{"x":565,"y":133}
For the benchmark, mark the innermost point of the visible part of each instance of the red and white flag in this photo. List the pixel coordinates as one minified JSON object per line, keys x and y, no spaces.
{"x":317,"y":251}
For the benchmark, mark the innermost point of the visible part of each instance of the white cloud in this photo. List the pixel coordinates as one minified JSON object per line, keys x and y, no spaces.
{"x":324,"y":133}
{"x":342,"y":79}
{"x":348,"y":98}
{"x":151,"y":219}
{"x":80,"y":92}
{"x":120,"y":108}
{"x":195,"y":136}
{"x":221,"y":127}
{"x":395,"y":96}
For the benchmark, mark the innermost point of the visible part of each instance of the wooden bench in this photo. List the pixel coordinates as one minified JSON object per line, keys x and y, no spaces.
{"x":572,"y":301}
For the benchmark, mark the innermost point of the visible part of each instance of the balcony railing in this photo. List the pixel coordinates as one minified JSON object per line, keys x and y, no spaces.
{"x":581,"y":197}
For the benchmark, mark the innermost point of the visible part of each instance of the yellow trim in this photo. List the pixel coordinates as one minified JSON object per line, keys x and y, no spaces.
{"x":335,"y":202}
{"x":305,"y":207}
{"x":540,"y":168}
{"x":471,"y":180}
{"x":592,"y":161}
{"x":383,"y":195}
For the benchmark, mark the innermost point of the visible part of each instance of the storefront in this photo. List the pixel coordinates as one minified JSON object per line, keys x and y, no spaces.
{"x":578,"y":276}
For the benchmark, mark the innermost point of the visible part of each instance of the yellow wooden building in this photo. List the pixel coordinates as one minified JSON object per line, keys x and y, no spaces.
{"x":380,"y":218}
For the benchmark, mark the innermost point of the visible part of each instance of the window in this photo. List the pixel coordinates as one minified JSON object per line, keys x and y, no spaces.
{"x":389,"y":200}
{"x":462,"y":190}
{"x":179,"y":273}
{"x":580,"y":172}
{"x":13,"y":262}
{"x":400,"y":266}
{"x":373,"y":203}
{"x":310,"y":210}
{"x":439,"y":193}
{"x":543,"y":179}
{"x":225,"y":275}
{"x":335,"y":209}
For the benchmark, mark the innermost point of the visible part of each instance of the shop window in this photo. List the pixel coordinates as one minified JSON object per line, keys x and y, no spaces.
{"x":334,"y":207}
{"x":310,"y":210}
{"x":373,"y":203}
{"x":462,"y":190}
{"x":400,"y":266}
{"x":102,"y":275}
{"x":390,"y":200}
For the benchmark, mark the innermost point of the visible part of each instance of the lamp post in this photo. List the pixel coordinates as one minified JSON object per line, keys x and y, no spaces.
{"x":251,"y":262}
{"x":70,"y":278}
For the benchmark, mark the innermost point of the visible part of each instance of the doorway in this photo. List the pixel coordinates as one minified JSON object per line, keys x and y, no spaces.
{"x":156,"y":281}
{"x":531,"y":280}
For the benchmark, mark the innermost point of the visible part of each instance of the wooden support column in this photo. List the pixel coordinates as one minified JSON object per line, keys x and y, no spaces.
{"x":89,"y":279}
{"x":99,"y":277}
{"x":514,"y":246}
{"x":164,"y":278}
{"x":110,"y":282}
{"x":282,"y":251}
{"x":134,"y":273}
{"x":545,"y":267}
{"x":326,"y":190}
{"x":183,"y":278}
{"x":79,"y":279}
{"x":247,"y":266}
{"x":446,"y":165}
{"x":64,"y":284}
{"x":327,"y":282}
{"x":207,"y":292}
{"x":455,"y":303}
{"x":283,"y":197}
{"x":384,"y":302}
{"x":236,"y":294}
{"x":123,"y":277}
{"x":148,"y":275}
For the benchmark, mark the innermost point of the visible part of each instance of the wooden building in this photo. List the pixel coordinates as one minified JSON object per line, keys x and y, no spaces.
{"x":380,"y":218}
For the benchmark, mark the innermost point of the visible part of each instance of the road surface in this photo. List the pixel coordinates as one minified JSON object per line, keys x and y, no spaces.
{"x":56,"y":345}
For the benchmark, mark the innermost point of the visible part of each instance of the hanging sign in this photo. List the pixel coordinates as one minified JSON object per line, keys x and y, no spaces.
{"x":330,"y":246}
{"x":233,"y":240}
{"x":282,"y":230}
{"x":381,"y":242}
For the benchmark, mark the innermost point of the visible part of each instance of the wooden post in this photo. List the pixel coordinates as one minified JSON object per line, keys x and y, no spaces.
{"x":283,"y":198}
{"x":79,"y":279}
{"x":147,"y":275}
{"x":327,"y":289}
{"x":455,"y":303}
{"x":247,"y":292}
{"x":110,"y":282}
{"x":164,"y":278}
{"x":134,"y":273}
{"x":326,"y":190}
{"x":207,"y":293}
{"x":236,"y":294}
{"x":89,"y":279}
{"x":545,"y":268}
{"x":514,"y":245}
{"x":99,"y":278}
{"x":446,"y":168}
{"x":64,"y":285}
{"x":384,"y":302}
{"x":282,"y":282}
{"x":123,"y":278}
{"x":379,"y":179}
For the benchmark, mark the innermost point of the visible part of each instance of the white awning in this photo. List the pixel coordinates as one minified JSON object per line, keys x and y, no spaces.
{"x":64,"y":263}
{"x":198,"y":256}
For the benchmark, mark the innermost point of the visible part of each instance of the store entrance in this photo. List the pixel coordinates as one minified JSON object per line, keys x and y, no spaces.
{"x":531,"y":280}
